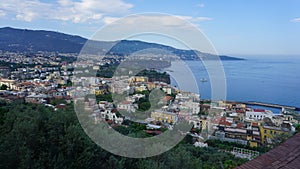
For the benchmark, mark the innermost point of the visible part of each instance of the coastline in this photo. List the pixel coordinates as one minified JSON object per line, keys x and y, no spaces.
{"x":260,"y":104}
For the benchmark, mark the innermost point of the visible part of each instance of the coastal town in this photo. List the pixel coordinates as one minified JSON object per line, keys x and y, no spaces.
{"x":232,"y":122}
{"x":124,"y":84}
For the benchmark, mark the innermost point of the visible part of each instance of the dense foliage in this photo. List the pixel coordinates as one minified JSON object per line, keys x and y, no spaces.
{"x":35,"y":136}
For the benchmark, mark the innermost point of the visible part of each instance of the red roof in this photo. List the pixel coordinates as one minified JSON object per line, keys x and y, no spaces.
{"x":125,"y":102}
{"x":167,"y":98}
{"x":259,"y":110}
{"x":153,"y":132}
{"x":61,"y":106}
{"x":240,"y":125}
{"x":225,"y":123}
{"x":240,"y":111}
{"x":286,"y":155}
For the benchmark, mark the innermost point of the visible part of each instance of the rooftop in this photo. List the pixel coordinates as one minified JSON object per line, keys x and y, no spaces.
{"x":286,"y":155}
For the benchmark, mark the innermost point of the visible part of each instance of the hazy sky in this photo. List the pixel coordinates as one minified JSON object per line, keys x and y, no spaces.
{"x":249,"y":27}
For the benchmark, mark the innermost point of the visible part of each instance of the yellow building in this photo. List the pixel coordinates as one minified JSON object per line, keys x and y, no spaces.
{"x":253,"y":143}
{"x":140,"y":88}
{"x":151,"y":86}
{"x":267,"y":133}
{"x":204,"y":124}
{"x":100,"y":92}
{"x":11,"y":84}
{"x":138,"y":79}
{"x":162,"y":116}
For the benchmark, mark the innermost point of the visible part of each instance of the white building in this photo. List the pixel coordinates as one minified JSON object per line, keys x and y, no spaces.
{"x":259,"y":115}
{"x":193,"y":107}
{"x":128,"y":106}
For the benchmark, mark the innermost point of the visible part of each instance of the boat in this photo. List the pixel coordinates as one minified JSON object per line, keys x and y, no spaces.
{"x":203,"y":80}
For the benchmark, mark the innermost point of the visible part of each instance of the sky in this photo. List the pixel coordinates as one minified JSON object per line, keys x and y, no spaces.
{"x":234,"y":27}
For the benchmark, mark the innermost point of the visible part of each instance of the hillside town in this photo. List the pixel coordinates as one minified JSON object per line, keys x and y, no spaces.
{"x":41,"y":80}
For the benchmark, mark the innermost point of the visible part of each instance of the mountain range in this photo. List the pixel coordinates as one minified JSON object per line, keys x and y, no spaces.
{"x":24,"y":41}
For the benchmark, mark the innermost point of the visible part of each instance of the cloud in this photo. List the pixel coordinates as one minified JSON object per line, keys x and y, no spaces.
{"x":65,"y":10}
{"x":200,"y":5}
{"x":194,"y":19}
{"x":155,"y":27}
{"x":165,"y":20}
{"x":28,"y":16}
{"x":2,"y":13}
{"x":295,"y":20}
{"x":23,"y":10}
{"x":203,"y":19}
{"x":109,"y":20}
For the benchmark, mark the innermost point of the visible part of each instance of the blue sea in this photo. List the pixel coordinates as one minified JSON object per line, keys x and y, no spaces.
{"x":268,"y":79}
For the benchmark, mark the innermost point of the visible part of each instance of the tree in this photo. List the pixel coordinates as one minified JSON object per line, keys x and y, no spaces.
{"x":3,"y":87}
{"x":35,"y":136}
{"x":144,"y":106}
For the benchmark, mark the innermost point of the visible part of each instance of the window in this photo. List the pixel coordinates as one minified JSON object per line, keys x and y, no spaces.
{"x":265,"y":131}
{"x":271,"y":132}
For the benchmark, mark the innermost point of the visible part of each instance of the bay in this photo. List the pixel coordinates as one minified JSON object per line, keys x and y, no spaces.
{"x":268,"y":79}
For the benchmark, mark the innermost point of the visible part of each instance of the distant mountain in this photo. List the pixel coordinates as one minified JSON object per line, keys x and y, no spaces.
{"x":20,"y":40}
{"x":23,"y":40}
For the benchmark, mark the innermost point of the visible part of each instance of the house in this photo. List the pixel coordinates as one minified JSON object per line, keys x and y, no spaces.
{"x":100,"y":91}
{"x":268,"y":133}
{"x":138,"y":79}
{"x":127,"y":106}
{"x":109,"y":115}
{"x":258,"y":114}
{"x":151,"y":85}
{"x":199,"y":123}
{"x":140,"y":88}
{"x":11,"y":84}
{"x":164,"y":116}
{"x":153,"y":127}
{"x":33,"y":98}
{"x":193,"y":107}
{"x":167,"y":89}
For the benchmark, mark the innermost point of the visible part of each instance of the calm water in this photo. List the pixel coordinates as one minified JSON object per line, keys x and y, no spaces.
{"x":264,"y":79}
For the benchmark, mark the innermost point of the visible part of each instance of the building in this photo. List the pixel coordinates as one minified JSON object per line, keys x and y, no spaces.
{"x":107,"y":114}
{"x":138,"y":79}
{"x":268,"y":133}
{"x":199,"y":123}
{"x":127,"y":106}
{"x":11,"y":84}
{"x":151,"y":85}
{"x":258,"y":114}
{"x":167,"y":89}
{"x":285,"y":155}
{"x":140,"y":88}
{"x":100,"y":91}
{"x":193,"y":107}
{"x":33,"y":98}
{"x":164,"y":116}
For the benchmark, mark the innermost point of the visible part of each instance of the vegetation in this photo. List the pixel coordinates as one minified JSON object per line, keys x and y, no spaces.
{"x":104,"y":97}
{"x":228,"y":146}
{"x":4,"y":87}
{"x":108,"y":71}
{"x":35,"y":136}
{"x":153,"y":75}
{"x":297,"y":127}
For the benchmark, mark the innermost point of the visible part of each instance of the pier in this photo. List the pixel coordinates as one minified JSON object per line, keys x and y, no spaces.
{"x":271,"y":105}
{"x":255,"y":103}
